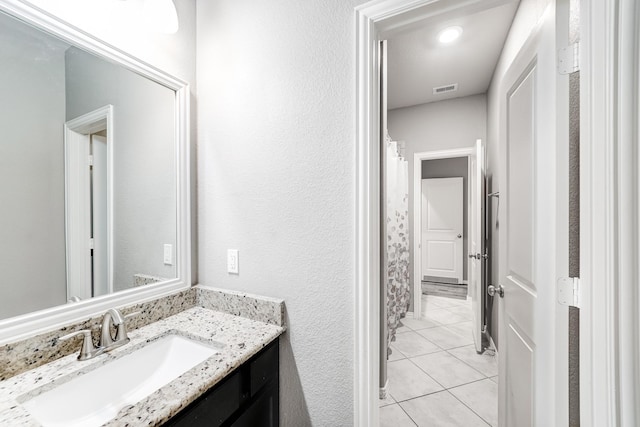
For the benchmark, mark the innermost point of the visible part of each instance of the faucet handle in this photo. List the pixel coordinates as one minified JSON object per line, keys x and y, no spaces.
{"x":122,"y":334}
{"x":88,"y":350}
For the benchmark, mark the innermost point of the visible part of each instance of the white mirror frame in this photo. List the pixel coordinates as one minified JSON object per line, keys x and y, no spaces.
{"x":15,"y":328}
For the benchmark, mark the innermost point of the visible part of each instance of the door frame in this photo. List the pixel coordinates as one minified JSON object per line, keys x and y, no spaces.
{"x":417,"y":212}
{"x":370,"y":19}
{"x":77,"y":220}
{"x":608,"y":101}
{"x":609,"y":206}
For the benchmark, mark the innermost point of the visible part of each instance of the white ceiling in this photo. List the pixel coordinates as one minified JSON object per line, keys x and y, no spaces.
{"x":418,"y":62}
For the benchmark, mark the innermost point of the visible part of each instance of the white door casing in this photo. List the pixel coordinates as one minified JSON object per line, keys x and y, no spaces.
{"x":442,"y":227}
{"x":78,"y":220}
{"x":77,"y":216}
{"x":99,"y":210}
{"x":532,"y":381}
{"x":476,"y":241}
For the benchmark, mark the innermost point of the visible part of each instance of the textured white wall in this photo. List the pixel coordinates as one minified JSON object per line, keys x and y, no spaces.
{"x":32,"y":250}
{"x":144,"y":160}
{"x":523,"y":24}
{"x":454,"y":123}
{"x":276,"y":163}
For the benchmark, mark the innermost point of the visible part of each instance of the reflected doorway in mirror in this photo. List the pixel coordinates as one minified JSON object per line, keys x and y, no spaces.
{"x":89,"y":203}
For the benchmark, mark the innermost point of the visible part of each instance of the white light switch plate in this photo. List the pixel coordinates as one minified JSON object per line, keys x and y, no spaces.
{"x":168,"y":254}
{"x":232,"y":261}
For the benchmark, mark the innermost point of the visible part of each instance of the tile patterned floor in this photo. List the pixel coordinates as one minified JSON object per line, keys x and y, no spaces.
{"x":436,"y":378}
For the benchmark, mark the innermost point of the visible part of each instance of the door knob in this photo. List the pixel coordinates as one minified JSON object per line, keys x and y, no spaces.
{"x":476,"y":256}
{"x":492,"y":290}
{"x":459,"y":236}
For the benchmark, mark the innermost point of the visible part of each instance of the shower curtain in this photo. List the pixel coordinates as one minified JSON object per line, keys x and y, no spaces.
{"x":398,"y":291}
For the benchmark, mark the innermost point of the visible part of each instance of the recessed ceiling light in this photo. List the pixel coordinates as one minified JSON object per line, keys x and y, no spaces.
{"x":449,"y":34}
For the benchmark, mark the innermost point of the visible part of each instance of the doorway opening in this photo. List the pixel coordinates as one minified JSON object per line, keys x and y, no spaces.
{"x":89,"y":204}
{"x":531,"y":42}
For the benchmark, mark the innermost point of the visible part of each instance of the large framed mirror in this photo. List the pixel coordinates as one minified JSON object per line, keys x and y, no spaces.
{"x":94,"y":175}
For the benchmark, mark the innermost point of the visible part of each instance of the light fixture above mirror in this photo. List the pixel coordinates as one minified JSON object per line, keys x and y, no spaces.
{"x":161,"y":16}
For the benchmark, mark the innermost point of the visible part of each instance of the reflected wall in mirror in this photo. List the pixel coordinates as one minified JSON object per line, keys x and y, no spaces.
{"x":88,"y":174}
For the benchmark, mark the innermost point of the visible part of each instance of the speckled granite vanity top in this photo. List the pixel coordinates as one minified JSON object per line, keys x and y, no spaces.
{"x":238,"y":337}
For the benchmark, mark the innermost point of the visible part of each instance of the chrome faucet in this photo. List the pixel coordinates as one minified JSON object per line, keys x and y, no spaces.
{"x":111,"y":317}
{"x":107,"y":340}
{"x":88,"y":350}
{"x":115,"y":318}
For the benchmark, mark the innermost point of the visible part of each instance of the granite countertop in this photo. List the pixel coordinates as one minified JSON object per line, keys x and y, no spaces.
{"x":239,"y":338}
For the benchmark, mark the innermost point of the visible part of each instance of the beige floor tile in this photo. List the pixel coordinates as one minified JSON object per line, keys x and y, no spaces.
{"x":441,"y":410}
{"x":481,"y":397}
{"x":462,"y":328}
{"x":395,"y":354}
{"x":441,"y":302}
{"x":394,"y":416}
{"x":462,"y":310}
{"x":407,"y":381}
{"x":388,"y":401}
{"x":417,"y":324}
{"x":412,"y":344}
{"x":446,"y":369}
{"x":443,"y":316}
{"x":445,"y":338}
{"x":403,"y":328}
{"x":485,"y":363}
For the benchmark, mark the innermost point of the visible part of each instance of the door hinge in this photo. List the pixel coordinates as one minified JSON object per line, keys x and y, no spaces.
{"x":90,"y":160}
{"x":569,"y":59}
{"x":91,"y":244}
{"x":569,"y":291}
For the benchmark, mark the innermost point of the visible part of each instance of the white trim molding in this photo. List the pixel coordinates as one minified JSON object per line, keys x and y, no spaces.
{"x":19,"y":327}
{"x":609,"y":227}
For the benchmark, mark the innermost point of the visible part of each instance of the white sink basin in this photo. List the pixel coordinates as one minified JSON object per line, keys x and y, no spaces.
{"x":97,"y":396}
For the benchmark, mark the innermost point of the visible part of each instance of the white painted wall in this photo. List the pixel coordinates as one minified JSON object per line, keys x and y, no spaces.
{"x":454,"y":123}
{"x":276,"y":163}
{"x":144,"y":160}
{"x":523,"y":24}
{"x":32,"y":250}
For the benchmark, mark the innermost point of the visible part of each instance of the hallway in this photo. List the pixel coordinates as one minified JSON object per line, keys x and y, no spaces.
{"x":436,"y":378}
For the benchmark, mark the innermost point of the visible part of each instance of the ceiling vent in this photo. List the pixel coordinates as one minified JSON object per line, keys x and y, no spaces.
{"x":445,"y":89}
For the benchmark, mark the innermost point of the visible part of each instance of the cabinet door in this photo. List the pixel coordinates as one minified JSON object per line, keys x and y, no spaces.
{"x":263,"y":412}
{"x":214,"y":408}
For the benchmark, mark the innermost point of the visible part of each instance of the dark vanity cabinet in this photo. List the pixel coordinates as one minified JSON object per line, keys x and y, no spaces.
{"x":247,"y":397}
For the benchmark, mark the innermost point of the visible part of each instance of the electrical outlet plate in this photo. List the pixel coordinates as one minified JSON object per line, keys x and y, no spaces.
{"x":168,"y":254}
{"x":232,"y":261}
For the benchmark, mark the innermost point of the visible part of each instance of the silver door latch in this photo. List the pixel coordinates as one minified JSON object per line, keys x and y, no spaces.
{"x":492,"y":290}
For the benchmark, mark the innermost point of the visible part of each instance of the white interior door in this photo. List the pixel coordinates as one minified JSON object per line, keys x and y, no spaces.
{"x":476,"y":241}
{"x":78,"y":215}
{"x":532,"y":380}
{"x":99,"y":215}
{"x":442,"y":227}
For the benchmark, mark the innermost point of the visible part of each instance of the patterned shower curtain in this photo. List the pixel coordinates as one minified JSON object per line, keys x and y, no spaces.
{"x":398,"y":291}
